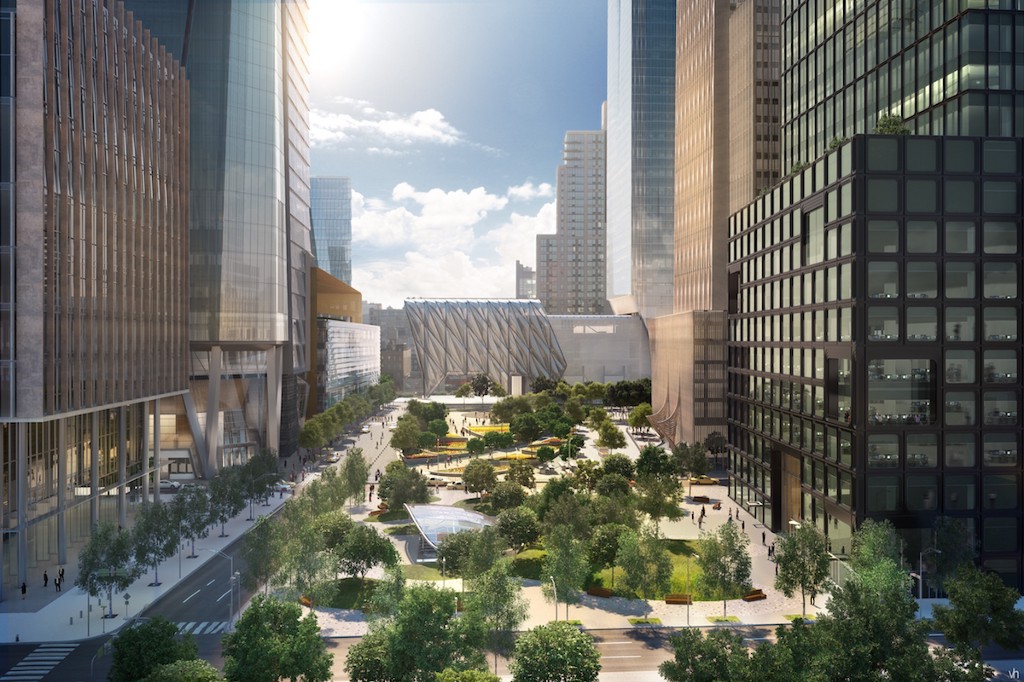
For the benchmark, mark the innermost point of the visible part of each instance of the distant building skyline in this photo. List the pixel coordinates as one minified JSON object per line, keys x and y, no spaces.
{"x":331,"y":218}
{"x":526,"y":281}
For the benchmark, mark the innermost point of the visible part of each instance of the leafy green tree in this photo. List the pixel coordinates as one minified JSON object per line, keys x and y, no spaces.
{"x":609,"y":436}
{"x":525,"y":428}
{"x":479,"y":476}
{"x":519,"y":527}
{"x":725,"y":562}
{"x":262,"y":549}
{"x":574,"y":410}
{"x":613,"y":485}
{"x":715,"y":443}
{"x":506,"y":495}
{"x":497,"y":390}
{"x":464,"y":390}
{"x":891,"y":124}
{"x":481,"y":384}
{"x":141,"y":648}
{"x":387,"y":594}
{"x":604,"y":547}
{"x":426,"y":440}
{"x":803,"y":562}
{"x":690,"y":460}
{"x":439,"y":428}
{"x":401,"y":485}
{"x":618,"y":463}
{"x":452,"y":675}
{"x":565,"y":564}
{"x":654,"y":461}
{"x":638,"y":416}
{"x":549,"y":494}
{"x":545,"y":453}
{"x":658,"y":497}
{"x":191,"y":507}
{"x":496,"y":600}
{"x":426,"y":412}
{"x":105,"y":563}
{"x":595,"y":417}
{"x":272,"y":640}
{"x":556,"y":652}
{"x":470,"y":553}
{"x":521,"y":472}
{"x":406,"y":435}
{"x":194,"y":670}
{"x":154,"y":537}
{"x":226,"y":497}
{"x":567,"y":512}
{"x":506,"y":409}
{"x":586,"y":476}
{"x":571,"y":448}
{"x":333,"y":528}
{"x":873,"y":542}
{"x":476,"y":446}
{"x":982,"y":610}
{"x":312,"y":435}
{"x":363,"y":549}
{"x":646,"y":566}
{"x":720,"y":655}
{"x":956,"y":543}
{"x":355,"y":471}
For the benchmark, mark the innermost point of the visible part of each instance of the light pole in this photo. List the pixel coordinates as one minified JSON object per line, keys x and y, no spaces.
{"x":920,"y":570}
{"x":231,"y":577}
{"x":554,"y":591}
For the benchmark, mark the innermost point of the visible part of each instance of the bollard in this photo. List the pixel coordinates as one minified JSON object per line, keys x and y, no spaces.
{"x":71,"y":620}
{"x":80,"y":613}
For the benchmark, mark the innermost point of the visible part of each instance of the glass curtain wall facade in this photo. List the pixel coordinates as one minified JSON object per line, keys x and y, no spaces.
{"x":249,"y":230}
{"x":348,"y":360}
{"x":641,"y":152}
{"x":875,"y":353}
{"x":571,"y":263}
{"x":93,"y":271}
{"x":331,"y":211}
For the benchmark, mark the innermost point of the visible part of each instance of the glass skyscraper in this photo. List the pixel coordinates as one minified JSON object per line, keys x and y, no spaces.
{"x":331,"y":211}
{"x":249,"y":237}
{"x":640,"y":156}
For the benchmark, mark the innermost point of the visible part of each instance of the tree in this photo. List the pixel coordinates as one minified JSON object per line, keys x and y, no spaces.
{"x":226,"y":498}
{"x":612,"y":485}
{"x":481,"y":384}
{"x":142,"y":647}
{"x":261,"y":553}
{"x":363,"y":549}
{"x":406,"y":434}
{"x":604,"y":547}
{"x":470,"y":553}
{"x":476,"y":446}
{"x":658,"y":497}
{"x":873,"y":542}
{"x":618,"y":463}
{"x":646,"y":566}
{"x":525,"y":428}
{"x":452,"y":675}
{"x":105,"y":563}
{"x":891,"y":124}
{"x":192,"y":670}
{"x":354,"y":472}
{"x":154,"y":537}
{"x":272,"y":640}
{"x":956,"y":543}
{"x":191,"y":508}
{"x":464,"y":391}
{"x":654,"y":461}
{"x":586,"y":476}
{"x":596,"y":416}
{"x":715,"y":443}
{"x":725,"y":562}
{"x":312,"y":435}
{"x":803,"y":563}
{"x":387,"y":594}
{"x":519,"y":527}
{"x":479,"y":476}
{"x":545,"y":454}
{"x":572,"y":448}
{"x":506,"y":495}
{"x":497,"y":390}
{"x":497,"y":602}
{"x":520,"y":472}
{"x":638,"y":416}
{"x":609,"y":436}
{"x":438,"y":428}
{"x":720,"y":655}
{"x":565,"y":564}
{"x":981,"y":610}
{"x":506,"y":409}
{"x":690,"y":460}
{"x":556,"y":652}
{"x":401,"y":485}
{"x":574,"y":410}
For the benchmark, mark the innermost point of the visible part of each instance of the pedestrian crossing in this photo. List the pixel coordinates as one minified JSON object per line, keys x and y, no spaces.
{"x":37,"y":664}
{"x":201,"y":628}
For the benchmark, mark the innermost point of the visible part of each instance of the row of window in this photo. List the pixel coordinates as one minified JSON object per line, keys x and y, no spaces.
{"x":922,"y":323}
{"x":959,"y":450}
{"x":998,"y":237}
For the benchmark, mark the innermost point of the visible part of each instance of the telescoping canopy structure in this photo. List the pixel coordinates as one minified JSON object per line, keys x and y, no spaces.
{"x":435,"y":521}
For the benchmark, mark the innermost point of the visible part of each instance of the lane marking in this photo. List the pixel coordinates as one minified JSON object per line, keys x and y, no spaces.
{"x":223,"y":595}
{"x":211,"y":582}
{"x":190,"y":596}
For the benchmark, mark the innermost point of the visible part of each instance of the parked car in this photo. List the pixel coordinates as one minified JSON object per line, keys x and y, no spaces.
{"x":283,"y":486}
{"x":366,"y":428}
{"x":703,"y":480}
{"x":167,"y":486}
{"x":334,"y":457}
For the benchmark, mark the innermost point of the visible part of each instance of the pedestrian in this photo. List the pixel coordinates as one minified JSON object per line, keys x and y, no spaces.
{"x":730,"y":513}
{"x":776,"y":569}
{"x":46,"y":580}
{"x":62,"y":573}
{"x":24,"y":589}
{"x":743,"y":525}
{"x":773,"y":549}
{"x":703,"y":511}
{"x":763,"y":539}
{"x":60,"y":584}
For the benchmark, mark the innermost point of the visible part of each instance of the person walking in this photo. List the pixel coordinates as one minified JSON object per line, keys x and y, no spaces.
{"x":763,"y":538}
{"x":57,"y":584}
{"x":24,"y":589}
{"x":46,"y":579}
{"x":62,"y":573}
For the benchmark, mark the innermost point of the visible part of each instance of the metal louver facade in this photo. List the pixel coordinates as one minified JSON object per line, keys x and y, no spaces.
{"x":503,"y":339}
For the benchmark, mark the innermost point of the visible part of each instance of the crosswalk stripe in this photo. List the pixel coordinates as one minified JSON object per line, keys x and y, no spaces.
{"x":201,"y":628}
{"x":187,"y":627}
{"x":38,"y":663}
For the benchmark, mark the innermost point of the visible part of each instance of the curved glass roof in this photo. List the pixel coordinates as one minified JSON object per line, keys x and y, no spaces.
{"x":437,"y":521}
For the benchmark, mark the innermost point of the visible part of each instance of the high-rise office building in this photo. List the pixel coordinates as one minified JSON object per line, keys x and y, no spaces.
{"x":640,"y":154}
{"x":874,"y":353}
{"x":571,"y":263}
{"x":93,"y":270}
{"x":726,"y":149}
{"x":526,"y":281}
{"x":331,"y":210}
{"x":250,"y":249}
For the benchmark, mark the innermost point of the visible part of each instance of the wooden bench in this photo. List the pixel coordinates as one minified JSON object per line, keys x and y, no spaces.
{"x":684,"y":599}
{"x":595,"y":591}
{"x":755,"y":595}
{"x":701,"y":499}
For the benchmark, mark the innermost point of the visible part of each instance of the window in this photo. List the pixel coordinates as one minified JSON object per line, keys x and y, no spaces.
{"x":960,"y":324}
{"x":960,"y":450}
{"x":999,"y":449}
{"x":960,"y":280}
{"x":922,"y":236}
{"x":1000,"y":324}
{"x":922,"y":450}
{"x":961,"y":493}
{"x":1000,"y":408}
{"x":883,"y":279}
{"x":1000,"y":197}
{"x":922,"y":280}
{"x":922,"y":324}
{"x":1000,"y":280}
{"x":922,"y":196}
{"x":1000,"y":491}
{"x":883,"y":451}
{"x":883,"y":236}
{"x":883,"y":323}
{"x":1000,"y":237}
{"x":883,"y":493}
{"x":922,"y":492}
{"x":961,"y":409}
{"x":960,"y":236}
{"x":883,"y":195}
{"x":1000,"y":367}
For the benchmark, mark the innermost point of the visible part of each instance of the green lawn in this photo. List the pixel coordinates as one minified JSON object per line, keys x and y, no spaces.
{"x":428,"y":571}
{"x":681,"y":552}
{"x":391,"y":515}
{"x":720,"y":619}
{"x":404,"y":529}
{"x":347,"y":593}
{"x":528,"y":563}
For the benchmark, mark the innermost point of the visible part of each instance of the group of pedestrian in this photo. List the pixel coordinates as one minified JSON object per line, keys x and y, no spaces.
{"x":58,"y":582}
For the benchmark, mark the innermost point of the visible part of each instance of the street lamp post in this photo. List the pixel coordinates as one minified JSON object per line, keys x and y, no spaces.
{"x":554,"y":591}
{"x":231,"y":577}
{"x":920,"y":569}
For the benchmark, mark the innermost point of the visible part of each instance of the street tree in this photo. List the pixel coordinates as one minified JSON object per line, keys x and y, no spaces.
{"x":955,"y":542}
{"x":873,"y":542}
{"x":507,"y":495}
{"x":312,"y":435}
{"x":645,"y":563}
{"x":725,"y":562}
{"x":272,"y":640}
{"x":192,"y":670}
{"x":464,"y":391}
{"x":566,"y":565}
{"x":690,"y":460}
{"x":609,"y":436}
{"x":354,"y":473}
{"x":262,"y":550}
{"x":401,"y":485}
{"x":406,"y":434}
{"x":154,"y":537}
{"x":604,"y":547}
{"x":364,"y":548}
{"x":715,"y":443}
{"x":191,"y":509}
{"x":226,"y":497}
{"x":496,"y":600}
{"x":521,"y":472}
{"x":982,"y":611}
{"x":479,"y":476}
{"x":556,"y":652}
{"x":638,"y":417}
{"x":519,"y":527}
{"x":618,"y":463}
{"x":659,"y":497}
{"x":720,"y":655}
{"x":105,"y":563}
{"x":803,"y":562}
{"x":139,"y":649}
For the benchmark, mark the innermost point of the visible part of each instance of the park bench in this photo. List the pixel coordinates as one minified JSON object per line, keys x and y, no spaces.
{"x":684,"y":599}
{"x":701,"y":499}
{"x":755,"y":595}
{"x":595,"y":591}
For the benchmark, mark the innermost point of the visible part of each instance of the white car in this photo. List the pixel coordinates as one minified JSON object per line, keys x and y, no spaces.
{"x":366,"y":428}
{"x":168,"y":486}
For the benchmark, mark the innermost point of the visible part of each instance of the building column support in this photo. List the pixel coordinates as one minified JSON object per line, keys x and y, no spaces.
{"x":155,"y":437}
{"x":213,"y":425}
{"x":274,"y":365}
{"x":122,"y":467}
{"x":94,"y":469}
{"x":22,"y":517}
{"x":147,"y":467}
{"x":62,"y":488}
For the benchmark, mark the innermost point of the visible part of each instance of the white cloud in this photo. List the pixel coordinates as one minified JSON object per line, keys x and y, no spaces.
{"x":517,"y":238}
{"x":528,"y":190}
{"x":452,"y":274}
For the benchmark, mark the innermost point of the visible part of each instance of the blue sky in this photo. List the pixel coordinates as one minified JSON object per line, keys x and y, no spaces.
{"x":449,"y":118}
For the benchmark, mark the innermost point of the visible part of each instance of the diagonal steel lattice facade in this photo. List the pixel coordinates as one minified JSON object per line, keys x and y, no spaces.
{"x":499,"y":338}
